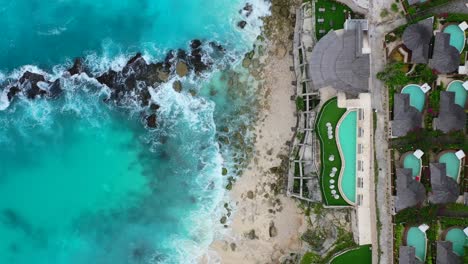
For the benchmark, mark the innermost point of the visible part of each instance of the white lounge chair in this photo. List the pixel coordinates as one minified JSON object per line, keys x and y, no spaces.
{"x":463,"y":25}
{"x":465,"y":85}
{"x":425,"y":88}
{"x":460,"y":154}
{"x":336,"y":196}
{"x":423,"y":228}
{"x":332,"y":181}
{"x":418,"y":153}
{"x":332,"y":187}
{"x":333,"y":192}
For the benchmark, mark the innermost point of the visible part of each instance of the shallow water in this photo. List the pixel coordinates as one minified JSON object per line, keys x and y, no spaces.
{"x":82,"y":181}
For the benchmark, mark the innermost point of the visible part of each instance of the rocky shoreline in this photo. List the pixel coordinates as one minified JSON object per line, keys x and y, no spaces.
{"x":132,"y":81}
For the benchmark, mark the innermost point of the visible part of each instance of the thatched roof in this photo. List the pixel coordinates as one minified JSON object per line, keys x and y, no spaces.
{"x":417,"y":38}
{"x":445,"y":58}
{"x":445,"y":254}
{"x":405,"y":117}
{"x":451,"y":115}
{"x":444,"y":189}
{"x":407,"y":255}
{"x":409,"y":191}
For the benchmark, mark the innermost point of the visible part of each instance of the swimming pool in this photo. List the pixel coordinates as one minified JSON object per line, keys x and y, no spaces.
{"x":411,"y":162}
{"x":458,"y":239}
{"x":452,"y":164}
{"x":460,"y":92}
{"x":417,"y":96}
{"x":347,"y":144}
{"x":417,"y":239}
{"x":457,"y":36}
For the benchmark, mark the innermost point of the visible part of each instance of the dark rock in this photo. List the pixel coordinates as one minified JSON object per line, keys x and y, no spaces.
{"x":154,"y":106}
{"x":29,"y":82}
{"x":223,"y":220}
{"x":177,"y":85}
{"x":273,"y":231}
{"x":217,"y":46}
{"x":144,"y":97}
{"x":13,"y":92}
{"x":248,"y":8}
{"x":250,"y":194}
{"x":251,"y":235}
{"x":77,"y":67}
{"x":233,"y":246}
{"x":136,"y":66}
{"x":108,"y":78}
{"x":242,"y":24}
{"x":55,"y":89}
{"x":151,"y":121}
{"x":181,"y":69}
{"x":195,"y":44}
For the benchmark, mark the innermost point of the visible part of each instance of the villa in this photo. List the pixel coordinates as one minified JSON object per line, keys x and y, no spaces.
{"x":409,"y":191}
{"x":444,"y":188}
{"x":445,"y":254}
{"x":451,"y":115}
{"x":405,"y":117}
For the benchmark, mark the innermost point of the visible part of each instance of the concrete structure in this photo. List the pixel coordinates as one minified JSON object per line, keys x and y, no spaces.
{"x":341,"y":59}
{"x":405,"y":117}
{"x":417,"y":38}
{"x":444,"y":189}
{"x":409,"y":192}
{"x":451,"y":116}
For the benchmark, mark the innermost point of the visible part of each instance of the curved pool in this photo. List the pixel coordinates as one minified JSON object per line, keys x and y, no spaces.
{"x":452,"y":164}
{"x":417,"y":239}
{"x":411,"y":162}
{"x":458,"y":239}
{"x":457,"y":36}
{"x":347,"y":144}
{"x":460,"y":92}
{"x":417,"y":96}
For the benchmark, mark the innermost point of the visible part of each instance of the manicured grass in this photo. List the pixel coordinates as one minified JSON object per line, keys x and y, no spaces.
{"x":333,"y":19}
{"x":361,"y":255}
{"x":332,"y":114}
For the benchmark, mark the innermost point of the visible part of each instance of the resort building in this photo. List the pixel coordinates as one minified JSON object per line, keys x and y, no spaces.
{"x":444,"y":188}
{"x":409,"y":192}
{"x":341,"y":59}
{"x":451,"y":115}
{"x":445,"y":58}
{"x":407,"y":255}
{"x":445,"y":254}
{"x":417,"y":38}
{"x":405,"y":117}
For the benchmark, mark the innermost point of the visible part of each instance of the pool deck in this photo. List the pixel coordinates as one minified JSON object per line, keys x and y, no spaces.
{"x":364,"y":216}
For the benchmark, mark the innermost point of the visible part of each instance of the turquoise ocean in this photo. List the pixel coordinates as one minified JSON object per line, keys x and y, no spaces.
{"x":83,"y":180}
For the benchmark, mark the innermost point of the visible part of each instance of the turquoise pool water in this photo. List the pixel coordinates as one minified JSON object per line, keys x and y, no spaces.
{"x":417,"y":96}
{"x":457,"y":36}
{"x":348,"y":137}
{"x":411,"y":162}
{"x":460,"y":92}
{"x":452,"y":164}
{"x":417,"y":239}
{"x":458,"y":239}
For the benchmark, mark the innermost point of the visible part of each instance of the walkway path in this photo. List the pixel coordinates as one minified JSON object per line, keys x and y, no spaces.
{"x":377,"y":32}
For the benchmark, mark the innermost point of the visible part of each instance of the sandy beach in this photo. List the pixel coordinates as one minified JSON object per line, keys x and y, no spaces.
{"x":265,"y":226}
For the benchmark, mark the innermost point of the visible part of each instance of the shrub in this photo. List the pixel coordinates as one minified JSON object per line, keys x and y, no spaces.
{"x":394,"y":7}
{"x":300,"y":103}
{"x":384,"y":13}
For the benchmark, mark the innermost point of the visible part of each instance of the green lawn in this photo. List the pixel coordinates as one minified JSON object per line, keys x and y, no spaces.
{"x":334,"y":16}
{"x":361,"y":255}
{"x":329,"y":113}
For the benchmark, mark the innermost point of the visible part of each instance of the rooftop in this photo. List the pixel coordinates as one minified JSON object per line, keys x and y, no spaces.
{"x":405,"y":116}
{"x":445,"y":254}
{"x":408,"y":255}
{"x":445,"y":58}
{"x":417,"y":38}
{"x":444,"y":189}
{"x":451,"y":115}
{"x":409,"y":191}
{"x":338,"y":60}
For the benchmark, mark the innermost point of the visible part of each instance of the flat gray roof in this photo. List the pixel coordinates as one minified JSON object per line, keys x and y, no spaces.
{"x":444,"y":189}
{"x":337,"y":61}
